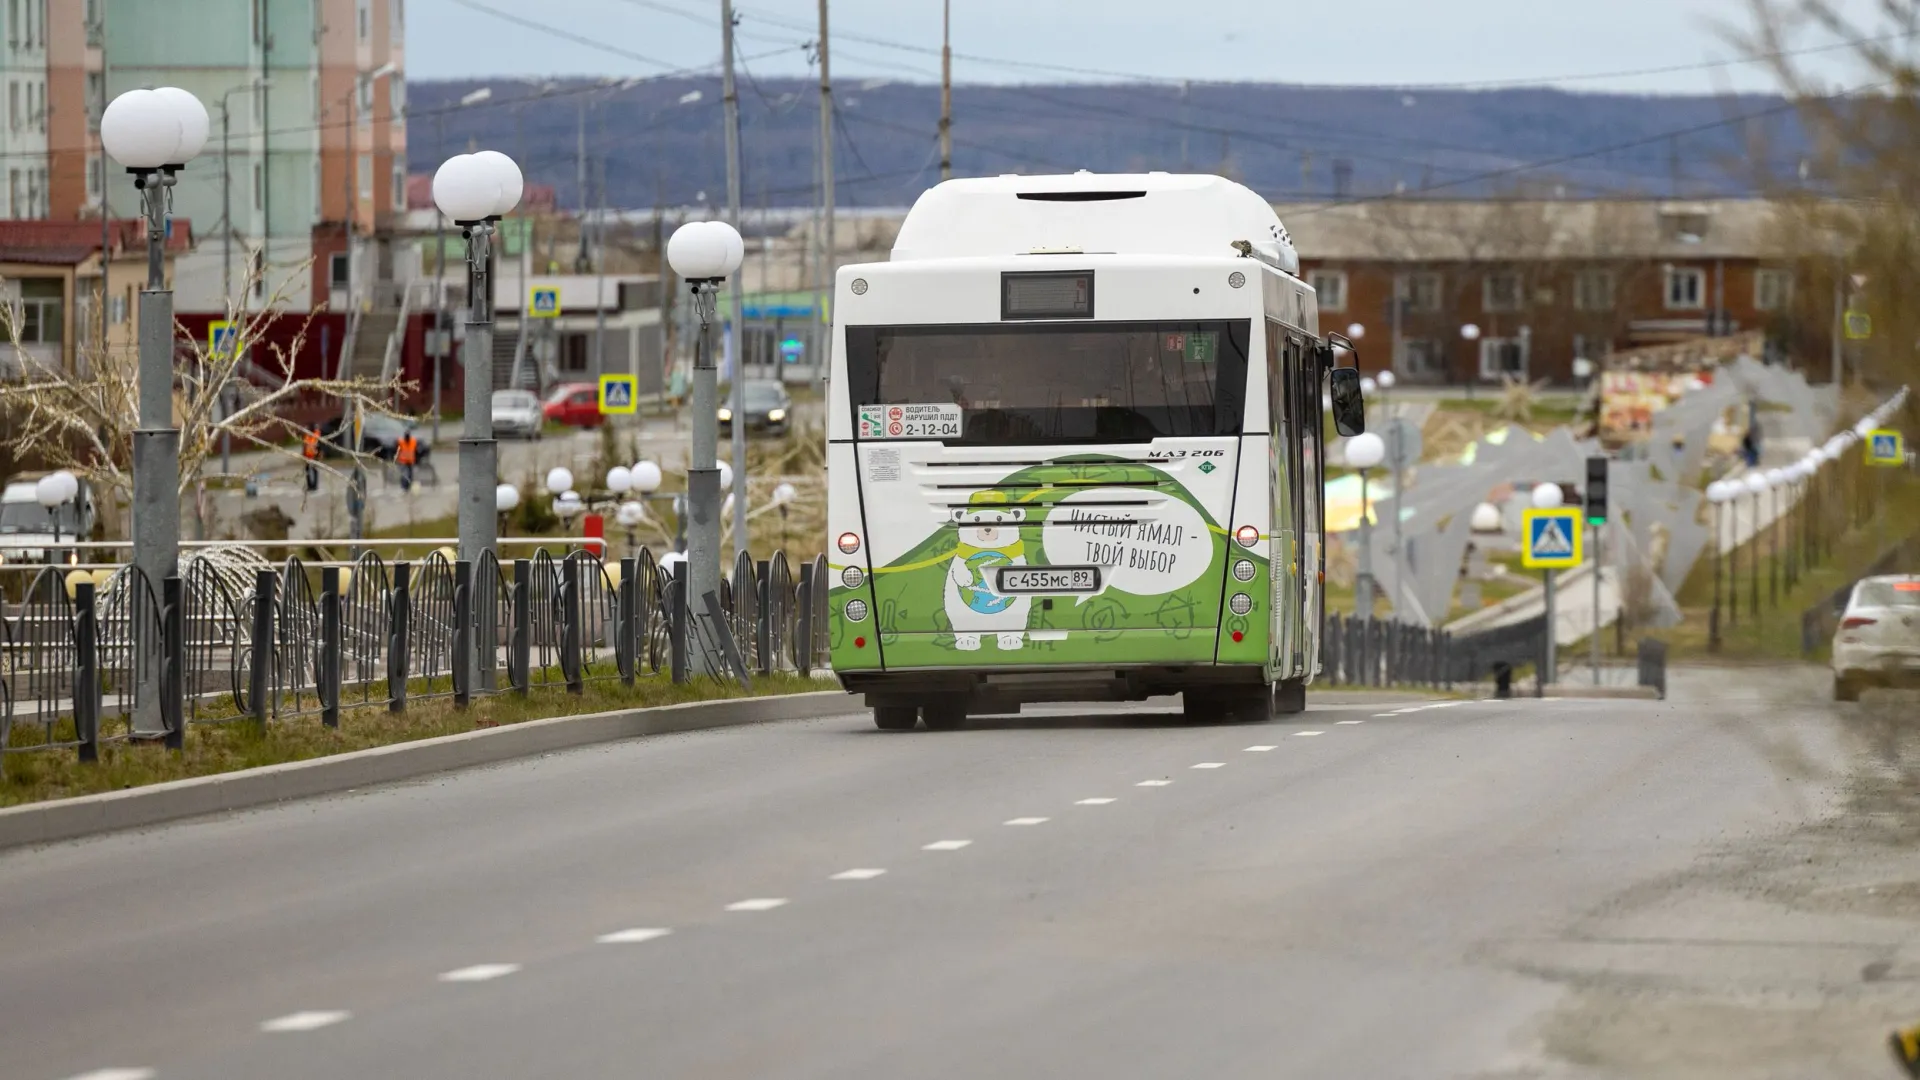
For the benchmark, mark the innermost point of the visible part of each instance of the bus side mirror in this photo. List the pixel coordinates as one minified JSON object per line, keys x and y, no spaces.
{"x":1349,"y":407}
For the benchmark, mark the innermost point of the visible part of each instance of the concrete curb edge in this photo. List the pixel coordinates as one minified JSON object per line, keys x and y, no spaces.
{"x":113,"y":811}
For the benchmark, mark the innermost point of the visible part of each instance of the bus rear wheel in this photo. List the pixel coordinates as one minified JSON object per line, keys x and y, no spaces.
{"x":944,"y":716}
{"x":895,"y":717}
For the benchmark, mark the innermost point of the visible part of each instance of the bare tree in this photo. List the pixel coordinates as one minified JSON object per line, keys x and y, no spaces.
{"x":83,"y":418}
{"x":1865,"y":167}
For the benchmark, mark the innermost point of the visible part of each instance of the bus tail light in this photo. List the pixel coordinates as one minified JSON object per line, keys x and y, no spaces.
{"x":849,"y":543}
{"x":1247,"y":535}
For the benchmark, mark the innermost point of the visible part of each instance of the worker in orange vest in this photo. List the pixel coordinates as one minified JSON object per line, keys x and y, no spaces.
{"x":310,"y":449}
{"x":405,"y":453}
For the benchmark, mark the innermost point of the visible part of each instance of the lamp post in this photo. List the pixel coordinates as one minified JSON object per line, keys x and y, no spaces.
{"x":1550,"y":497}
{"x":703,"y":254}
{"x":52,"y":492}
{"x":1364,"y":452}
{"x":1717,"y":497}
{"x":153,"y":134}
{"x":505,"y":498}
{"x":646,"y":484}
{"x":1470,"y":333}
{"x":1756,"y":485}
{"x":474,"y":191}
{"x":783,"y":496}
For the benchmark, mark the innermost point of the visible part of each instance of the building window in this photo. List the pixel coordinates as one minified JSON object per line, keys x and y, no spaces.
{"x":1422,"y":292}
{"x":42,"y":311}
{"x":1772,"y":290}
{"x":365,"y":18}
{"x":259,"y":187}
{"x":337,"y":270}
{"x":1330,"y":289}
{"x":1686,"y":288}
{"x":366,"y":176}
{"x":96,"y":98}
{"x":1501,"y":292}
{"x":14,"y":191}
{"x":1593,"y":290}
{"x":398,"y":9}
{"x":399,"y":188}
{"x":1502,"y":356}
{"x":13,"y":24}
{"x":13,"y":105}
{"x":94,"y":167}
{"x":1423,"y":358}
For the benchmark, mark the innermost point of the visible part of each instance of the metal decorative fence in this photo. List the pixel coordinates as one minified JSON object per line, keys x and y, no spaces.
{"x":82,"y":661}
{"x":1384,"y":653}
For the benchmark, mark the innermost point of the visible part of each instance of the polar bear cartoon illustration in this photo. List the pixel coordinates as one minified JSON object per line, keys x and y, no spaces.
{"x":989,"y":538}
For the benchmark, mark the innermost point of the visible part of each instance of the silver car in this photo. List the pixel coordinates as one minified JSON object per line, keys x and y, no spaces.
{"x":517,"y":414}
{"x":1878,"y":643}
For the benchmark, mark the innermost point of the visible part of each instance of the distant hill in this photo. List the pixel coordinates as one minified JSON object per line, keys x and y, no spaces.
{"x":1288,"y":142}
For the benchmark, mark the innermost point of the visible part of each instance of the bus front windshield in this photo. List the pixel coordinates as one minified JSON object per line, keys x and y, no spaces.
{"x":1060,"y":382}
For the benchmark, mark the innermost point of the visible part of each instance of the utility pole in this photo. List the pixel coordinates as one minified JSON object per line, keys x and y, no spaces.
{"x":946,"y":86}
{"x":1186,"y":91}
{"x":737,"y":340}
{"x":600,"y":270}
{"x":443,"y":337}
{"x":226,"y":273}
{"x":827,"y":201}
{"x":580,"y":260}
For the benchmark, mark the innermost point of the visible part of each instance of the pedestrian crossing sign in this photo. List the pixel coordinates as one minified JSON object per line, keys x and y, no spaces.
{"x":543,"y":302}
{"x":1886,"y":448}
{"x":1550,"y":539}
{"x":220,"y":335}
{"x":619,"y":394}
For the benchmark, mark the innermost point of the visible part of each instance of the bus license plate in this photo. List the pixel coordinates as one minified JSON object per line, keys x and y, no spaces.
{"x":1050,"y":579}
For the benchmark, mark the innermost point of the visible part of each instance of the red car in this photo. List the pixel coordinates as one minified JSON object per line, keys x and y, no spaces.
{"x":575,"y":405}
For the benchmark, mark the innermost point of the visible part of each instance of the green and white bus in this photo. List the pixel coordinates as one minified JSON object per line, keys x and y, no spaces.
{"x":1075,"y":453}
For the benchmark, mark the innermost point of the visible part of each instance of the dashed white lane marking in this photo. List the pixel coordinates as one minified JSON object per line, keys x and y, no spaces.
{"x":859,"y":874}
{"x":1378,"y":715}
{"x":479,"y":973}
{"x":1025,"y":821}
{"x":1349,"y":721}
{"x":632,"y":937}
{"x":1304,"y":734}
{"x":1209,"y":765}
{"x":945,"y":845}
{"x":304,"y":1021}
{"x":1153,"y":783}
{"x":1093,"y":802}
{"x":115,"y":1074}
{"x":1260,"y":749}
{"x":763,"y":903}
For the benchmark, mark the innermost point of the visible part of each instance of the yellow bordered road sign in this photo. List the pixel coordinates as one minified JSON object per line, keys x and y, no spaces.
{"x":1550,"y":539}
{"x":1885,"y":447}
{"x":543,"y":302}
{"x":1859,"y":326}
{"x":619,"y":394}
{"x":220,"y":336}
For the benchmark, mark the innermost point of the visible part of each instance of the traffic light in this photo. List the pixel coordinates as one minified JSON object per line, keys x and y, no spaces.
{"x":1596,"y":491}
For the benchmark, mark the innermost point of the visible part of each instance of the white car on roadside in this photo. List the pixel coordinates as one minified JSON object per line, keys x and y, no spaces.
{"x":1878,"y":643}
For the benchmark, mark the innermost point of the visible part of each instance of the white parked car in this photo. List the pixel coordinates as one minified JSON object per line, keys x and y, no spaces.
{"x":1878,"y":643}
{"x":516,"y":414}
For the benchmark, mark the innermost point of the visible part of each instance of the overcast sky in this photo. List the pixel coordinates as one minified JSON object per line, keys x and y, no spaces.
{"x":1399,"y":42}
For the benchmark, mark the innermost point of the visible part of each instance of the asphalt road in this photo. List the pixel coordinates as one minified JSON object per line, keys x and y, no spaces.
{"x":1073,"y":893}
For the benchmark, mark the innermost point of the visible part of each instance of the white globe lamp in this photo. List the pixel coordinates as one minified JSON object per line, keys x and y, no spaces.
{"x":619,"y":479}
{"x":506,"y":497}
{"x":726,"y":475}
{"x":560,"y":480}
{"x":1486,"y":518}
{"x":195,"y":125}
{"x":784,"y":494}
{"x":1356,"y":331}
{"x":646,"y":477}
{"x":1548,"y":497}
{"x":1368,"y":386}
{"x":465,"y":190}
{"x":502,"y":170}
{"x":705,"y":250}
{"x":1385,"y":380}
{"x":1366,"y":450}
{"x":1755,"y":483}
{"x":141,"y":130}
{"x":630,"y":514}
{"x":1470,"y":332}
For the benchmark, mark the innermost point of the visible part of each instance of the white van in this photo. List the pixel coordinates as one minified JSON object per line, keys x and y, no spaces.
{"x":29,"y":534}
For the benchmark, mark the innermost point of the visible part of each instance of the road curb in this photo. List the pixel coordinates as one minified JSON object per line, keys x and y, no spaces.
{"x":113,"y":811}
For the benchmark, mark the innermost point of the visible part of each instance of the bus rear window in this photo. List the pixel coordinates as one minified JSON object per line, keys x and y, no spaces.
{"x":1017,"y":385}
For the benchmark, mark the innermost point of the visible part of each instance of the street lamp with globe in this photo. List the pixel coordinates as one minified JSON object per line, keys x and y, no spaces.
{"x":54,"y":491}
{"x":505,"y":498}
{"x":475,"y":191}
{"x":1365,"y":452}
{"x":783,"y":496}
{"x":647,"y":478}
{"x":703,"y":254}
{"x":153,"y":134}
{"x":1549,"y":497}
{"x":1470,"y":333}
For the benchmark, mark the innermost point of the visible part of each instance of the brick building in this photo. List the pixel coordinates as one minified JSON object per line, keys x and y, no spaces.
{"x":1543,"y":282}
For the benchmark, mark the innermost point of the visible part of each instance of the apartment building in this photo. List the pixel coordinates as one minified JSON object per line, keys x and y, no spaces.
{"x":308,"y":144}
{"x":76,"y":95}
{"x":25,"y":179}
